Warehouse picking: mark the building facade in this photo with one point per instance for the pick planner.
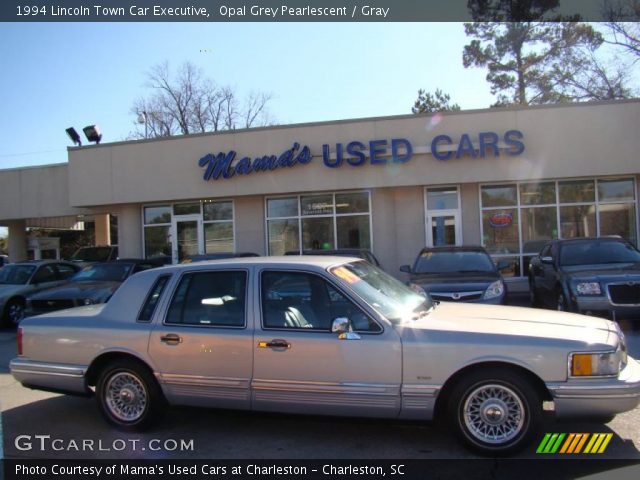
(508, 179)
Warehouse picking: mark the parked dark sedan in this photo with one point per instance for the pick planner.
(457, 274)
(93, 284)
(596, 276)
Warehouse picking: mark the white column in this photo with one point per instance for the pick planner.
(17, 240)
(129, 232)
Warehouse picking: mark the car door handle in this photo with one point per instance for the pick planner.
(171, 339)
(276, 343)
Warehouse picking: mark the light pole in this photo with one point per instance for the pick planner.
(142, 118)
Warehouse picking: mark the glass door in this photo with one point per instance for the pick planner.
(187, 232)
(443, 229)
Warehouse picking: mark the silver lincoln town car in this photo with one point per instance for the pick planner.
(327, 335)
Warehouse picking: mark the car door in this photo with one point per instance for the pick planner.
(548, 277)
(46, 276)
(202, 348)
(301, 366)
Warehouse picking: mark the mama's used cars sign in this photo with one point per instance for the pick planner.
(356, 153)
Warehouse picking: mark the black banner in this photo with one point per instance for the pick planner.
(320, 469)
(312, 10)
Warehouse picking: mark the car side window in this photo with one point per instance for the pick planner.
(65, 271)
(298, 300)
(152, 299)
(45, 274)
(210, 299)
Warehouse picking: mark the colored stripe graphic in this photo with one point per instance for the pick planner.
(574, 443)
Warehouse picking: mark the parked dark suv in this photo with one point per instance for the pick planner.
(596, 276)
(457, 274)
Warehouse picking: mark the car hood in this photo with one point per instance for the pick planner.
(624, 270)
(433, 281)
(518, 321)
(93, 290)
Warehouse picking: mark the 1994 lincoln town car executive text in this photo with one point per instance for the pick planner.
(326, 335)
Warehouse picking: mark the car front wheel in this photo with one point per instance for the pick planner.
(128, 395)
(495, 413)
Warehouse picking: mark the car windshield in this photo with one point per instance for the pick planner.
(598, 252)
(109, 272)
(16, 274)
(453, 262)
(92, 254)
(389, 296)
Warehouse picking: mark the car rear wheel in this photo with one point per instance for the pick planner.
(13, 312)
(128, 395)
(495, 413)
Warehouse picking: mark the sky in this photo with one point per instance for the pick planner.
(58, 75)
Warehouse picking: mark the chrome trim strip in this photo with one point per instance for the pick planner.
(25, 366)
(456, 295)
(201, 381)
(420, 390)
(326, 387)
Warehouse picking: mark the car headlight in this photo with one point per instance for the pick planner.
(496, 289)
(599, 364)
(418, 289)
(87, 301)
(588, 288)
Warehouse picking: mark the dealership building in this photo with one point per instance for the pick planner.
(507, 179)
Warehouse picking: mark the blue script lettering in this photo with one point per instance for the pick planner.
(222, 165)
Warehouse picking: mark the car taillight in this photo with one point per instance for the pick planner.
(19, 340)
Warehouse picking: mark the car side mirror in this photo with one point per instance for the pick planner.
(342, 326)
(503, 266)
(405, 268)
(547, 260)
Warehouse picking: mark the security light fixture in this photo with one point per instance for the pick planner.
(73, 135)
(93, 134)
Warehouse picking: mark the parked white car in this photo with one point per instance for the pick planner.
(326, 335)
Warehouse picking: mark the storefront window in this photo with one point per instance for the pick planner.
(442, 198)
(578, 221)
(500, 231)
(317, 205)
(615, 190)
(577, 212)
(282, 207)
(326, 221)
(192, 208)
(618, 219)
(159, 214)
(354, 231)
(352, 202)
(539, 224)
(284, 236)
(577, 191)
(537, 193)
(218, 210)
(317, 233)
(156, 241)
(218, 237)
(499, 195)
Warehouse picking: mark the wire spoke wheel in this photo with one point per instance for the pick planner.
(126, 397)
(494, 414)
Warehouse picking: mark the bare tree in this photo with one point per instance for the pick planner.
(192, 103)
(622, 24)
